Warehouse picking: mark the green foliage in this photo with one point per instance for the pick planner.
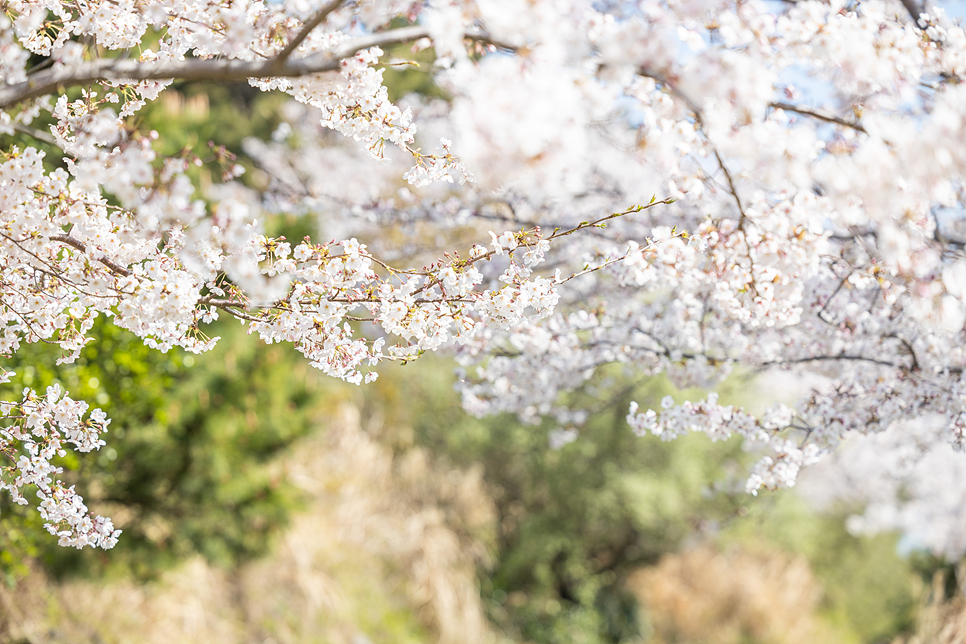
(870, 589)
(412, 75)
(201, 118)
(188, 466)
(20, 536)
(575, 521)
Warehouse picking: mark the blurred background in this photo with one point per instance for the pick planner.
(262, 502)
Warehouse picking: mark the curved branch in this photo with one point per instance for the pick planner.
(34, 133)
(307, 29)
(822, 116)
(856, 358)
(699, 121)
(212, 69)
(732, 189)
(79, 245)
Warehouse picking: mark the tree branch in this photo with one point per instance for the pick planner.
(731, 188)
(212, 69)
(855, 358)
(914, 8)
(79, 245)
(822, 116)
(307, 29)
(699, 121)
(673, 88)
(34, 133)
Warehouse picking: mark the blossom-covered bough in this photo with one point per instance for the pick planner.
(810, 149)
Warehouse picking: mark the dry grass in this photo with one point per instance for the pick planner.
(374, 559)
(704, 595)
(940, 620)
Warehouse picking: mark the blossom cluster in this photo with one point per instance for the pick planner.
(808, 149)
(162, 268)
(721, 422)
(38, 429)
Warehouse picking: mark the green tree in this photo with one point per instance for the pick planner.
(572, 522)
(189, 465)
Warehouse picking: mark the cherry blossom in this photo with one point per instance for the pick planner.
(796, 165)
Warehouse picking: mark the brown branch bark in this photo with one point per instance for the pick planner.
(914, 8)
(699, 121)
(307, 29)
(214, 69)
(34, 133)
(79, 245)
(822, 116)
(854, 358)
(732, 189)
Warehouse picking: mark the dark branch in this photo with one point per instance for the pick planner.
(884, 363)
(34, 133)
(912, 352)
(79, 245)
(915, 9)
(822, 116)
(674, 89)
(307, 29)
(699, 120)
(213, 69)
(732, 189)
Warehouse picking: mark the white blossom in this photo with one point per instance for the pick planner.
(822, 240)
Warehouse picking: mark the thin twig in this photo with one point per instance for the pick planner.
(857, 358)
(699, 121)
(832, 297)
(822, 116)
(912, 352)
(596, 223)
(614, 260)
(235, 313)
(307, 29)
(34, 133)
(731, 188)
